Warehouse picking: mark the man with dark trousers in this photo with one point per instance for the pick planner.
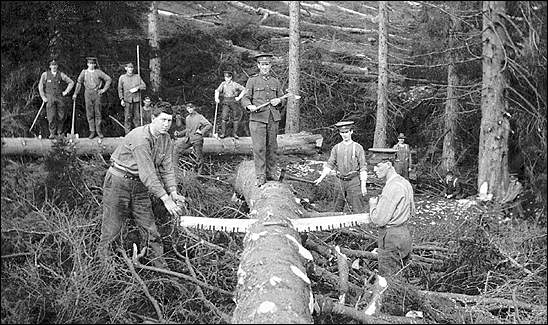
(263, 122)
(49, 88)
(95, 82)
(232, 93)
(141, 164)
(130, 86)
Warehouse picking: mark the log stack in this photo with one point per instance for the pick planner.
(272, 283)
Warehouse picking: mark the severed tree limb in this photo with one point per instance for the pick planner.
(332, 279)
(483, 300)
(211, 245)
(211, 306)
(343, 274)
(141, 282)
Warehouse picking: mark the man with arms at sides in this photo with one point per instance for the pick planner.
(130, 86)
(141, 164)
(263, 122)
(231, 106)
(348, 159)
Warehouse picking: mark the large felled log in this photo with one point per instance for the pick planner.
(272, 283)
(299, 143)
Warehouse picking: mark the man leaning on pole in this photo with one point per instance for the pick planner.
(130, 86)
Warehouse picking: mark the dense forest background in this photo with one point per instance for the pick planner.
(57, 198)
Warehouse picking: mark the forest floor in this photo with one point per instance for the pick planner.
(48, 274)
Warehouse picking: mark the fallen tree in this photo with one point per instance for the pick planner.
(272, 283)
(299, 143)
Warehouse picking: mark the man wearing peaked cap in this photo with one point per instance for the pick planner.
(347, 158)
(95, 82)
(403, 157)
(52, 94)
(263, 88)
(130, 86)
(231, 106)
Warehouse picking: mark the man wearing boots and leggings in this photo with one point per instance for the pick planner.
(49, 88)
(93, 79)
(231, 106)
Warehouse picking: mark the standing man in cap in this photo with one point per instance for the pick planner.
(263, 123)
(196, 127)
(147, 110)
(49, 88)
(230, 90)
(130, 86)
(348, 159)
(390, 213)
(403, 157)
(141, 164)
(93, 79)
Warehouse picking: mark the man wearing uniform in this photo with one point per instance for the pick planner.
(348, 159)
(263, 123)
(196, 127)
(49, 88)
(403, 157)
(230, 90)
(130, 86)
(141, 163)
(396, 205)
(93, 78)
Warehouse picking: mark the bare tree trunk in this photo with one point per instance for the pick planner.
(272, 283)
(292, 123)
(451, 105)
(494, 131)
(154, 64)
(298, 143)
(380, 139)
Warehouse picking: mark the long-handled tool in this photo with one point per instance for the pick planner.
(284, 96)
(118, 122)
(36, 118)
(139, 74)
(215, 135)
(72, 135)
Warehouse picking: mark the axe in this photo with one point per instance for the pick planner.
(285, 175)
(215, 135)
(284, 96)
(72, 135)
(36, 118)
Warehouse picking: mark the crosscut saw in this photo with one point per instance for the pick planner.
(301, 224)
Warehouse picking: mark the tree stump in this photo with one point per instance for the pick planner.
(272, 283)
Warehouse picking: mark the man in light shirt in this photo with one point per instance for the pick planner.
(130, 86)
(395, 207)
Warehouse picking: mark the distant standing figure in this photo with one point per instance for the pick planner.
(197, 126)
(147, 110)
(229, 89)
(403, 157)
(263, 123)
(49, 88)
(130, 86)
(452, 186)
(395, 206)
(93, 79)
(348, 159)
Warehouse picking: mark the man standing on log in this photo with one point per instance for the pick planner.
(403, 157)
(230, 89)
(141, 163)
(49, 88)
(348, 159)
(394, 208)
(93, 79)
(263, 123)
(130, 86)
(196, 126)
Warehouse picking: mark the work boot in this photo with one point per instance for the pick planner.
(91, 134)
(100, 134)
(223, 130)
(235, 130)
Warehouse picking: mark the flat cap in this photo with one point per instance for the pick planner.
(264, 57)
(401, 136)
(227, 72)
(190, 105)
(91, 59)
(129, 65)
(53, 62)
(344, 125)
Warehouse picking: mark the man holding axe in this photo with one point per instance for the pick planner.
(52, 94)
(262, 98)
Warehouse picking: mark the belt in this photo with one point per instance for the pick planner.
(394, 226)
(123, 173)
(348, 176)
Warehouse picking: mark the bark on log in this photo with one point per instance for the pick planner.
(272, 283)
(299, 143)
